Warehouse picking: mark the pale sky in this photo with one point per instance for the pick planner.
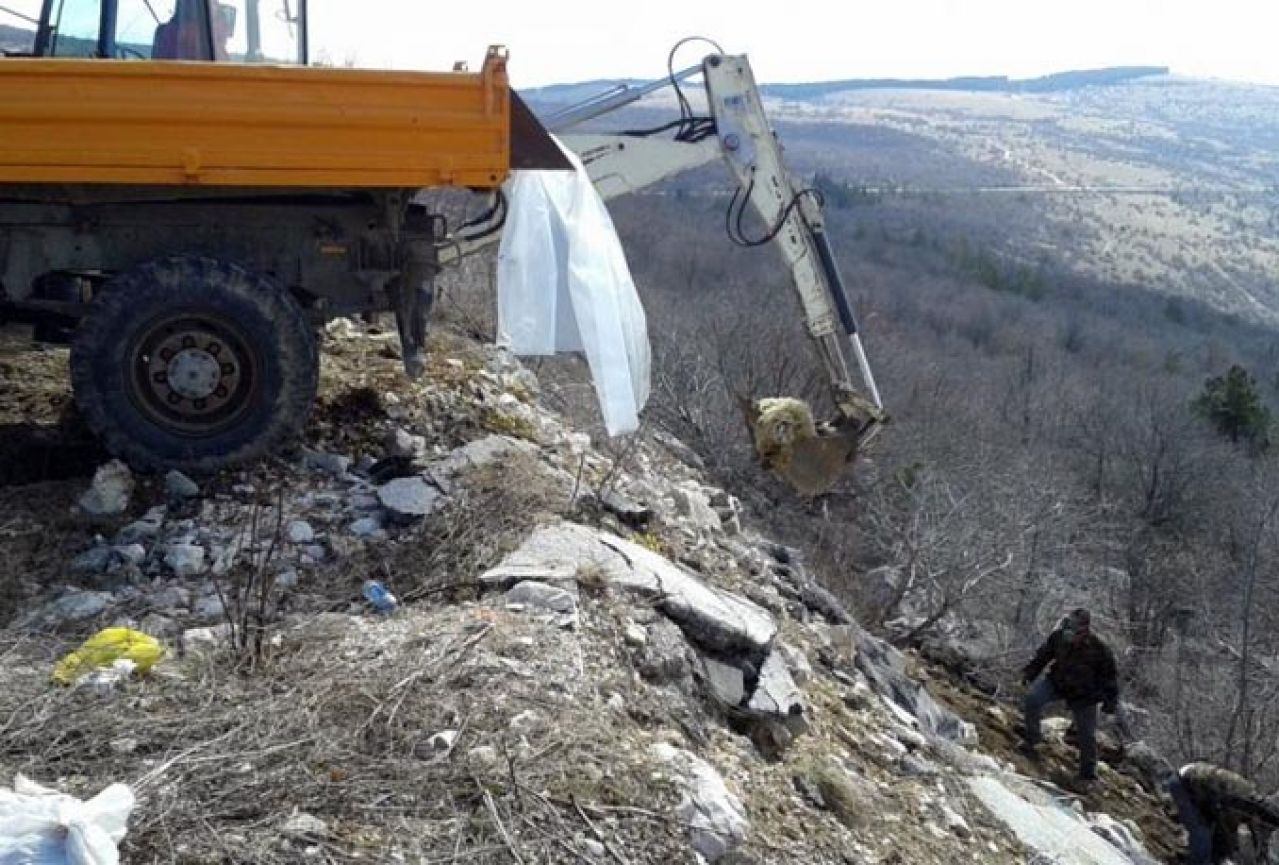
(805, 40)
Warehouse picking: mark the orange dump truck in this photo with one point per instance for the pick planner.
(184, 200)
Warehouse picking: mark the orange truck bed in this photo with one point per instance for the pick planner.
(204, 124)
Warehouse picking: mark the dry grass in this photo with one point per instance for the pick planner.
(338, 723)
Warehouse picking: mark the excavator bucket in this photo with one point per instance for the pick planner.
(810, 456)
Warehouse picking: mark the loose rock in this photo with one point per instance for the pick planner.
(109, 493)
(71, 607)
(334, 464)
(409, 498)
(179, 486)
(186, 560)
(366, 527)
(716, 820)
(300, 532)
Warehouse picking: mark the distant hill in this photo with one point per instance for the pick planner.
(1058, 81)
(16, 39)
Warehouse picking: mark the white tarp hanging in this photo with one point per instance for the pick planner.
(563, 285)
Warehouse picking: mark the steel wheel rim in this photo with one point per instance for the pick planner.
(192, 373)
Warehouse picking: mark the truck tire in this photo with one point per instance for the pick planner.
(194, 364)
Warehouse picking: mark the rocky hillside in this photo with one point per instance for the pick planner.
(596, 658)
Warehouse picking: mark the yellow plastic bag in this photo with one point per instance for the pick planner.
(105, 648)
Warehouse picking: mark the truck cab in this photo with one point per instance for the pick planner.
(234, 31)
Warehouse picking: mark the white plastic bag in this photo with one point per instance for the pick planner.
(564, 285)
(39, 826)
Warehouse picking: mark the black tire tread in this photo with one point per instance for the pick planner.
(189, 279)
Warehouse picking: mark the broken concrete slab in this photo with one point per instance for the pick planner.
(711, 617)
(1047, 825)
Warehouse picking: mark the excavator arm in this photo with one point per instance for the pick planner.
(810, 455)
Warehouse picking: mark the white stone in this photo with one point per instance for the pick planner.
(477, 454)
(144, 529)
(222, 558)
(1122, 835)
(954, 822)
(209, 606)
(186, 560)
(694, 506)
(525, 721)
(716, 820)
(727, 683)
(410, 497)
(776, 692)
(543, 597)
(797, 661)
(366, 527)
(171, 597)
(179, 486)
(204, 640)
(107, 679)
(134, 554)
(444, 740)
(72, 607)
(342, 328)
(92, 561)
(300, 532)
(109, 493)
(365, 501)
(402, 443)
(634, 634)
(303, 825)
(482, 755)
(615, 702)
(334, 464)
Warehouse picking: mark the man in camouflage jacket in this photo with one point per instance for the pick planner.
(1081, 672)
(1212, 803)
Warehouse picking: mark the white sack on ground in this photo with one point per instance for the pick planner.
(563, 285)
(39, 826)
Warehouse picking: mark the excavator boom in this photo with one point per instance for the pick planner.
(811, 456)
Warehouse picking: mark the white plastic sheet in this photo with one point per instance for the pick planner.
(564, 285)
(39, 826)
